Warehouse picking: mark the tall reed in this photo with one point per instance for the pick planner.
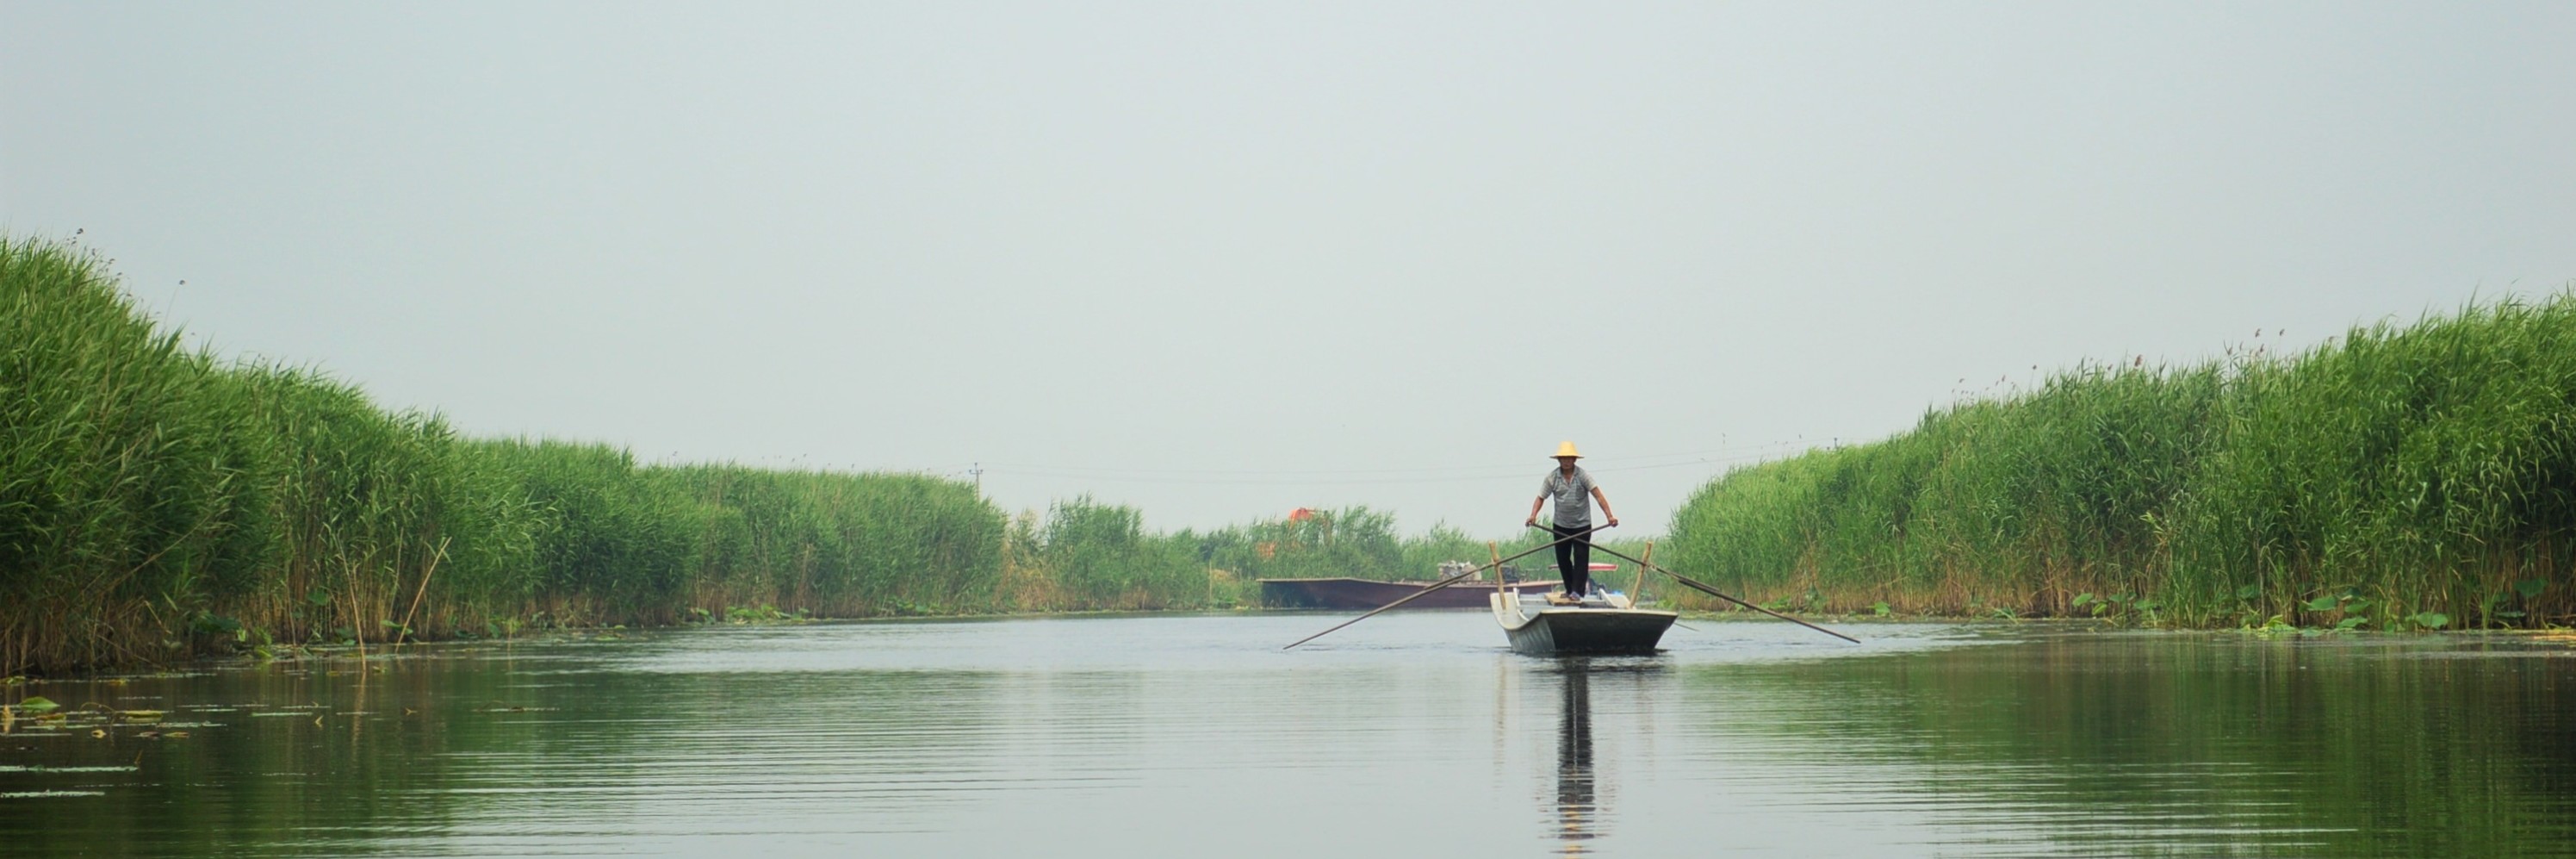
(156, 502)
(2411, 475)
(115, 493)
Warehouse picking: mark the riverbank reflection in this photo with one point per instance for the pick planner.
(1196, 735)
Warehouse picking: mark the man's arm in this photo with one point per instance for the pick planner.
(1605, 507)
(1535, 503)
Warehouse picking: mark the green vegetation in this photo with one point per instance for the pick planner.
(1087, 555)
(2400, 477)
(156, 502)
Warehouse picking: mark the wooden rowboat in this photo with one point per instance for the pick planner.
(1605, 622)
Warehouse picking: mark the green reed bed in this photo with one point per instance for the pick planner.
(837, 544)
(2399, 476)
(1085, 556)
(112, 488)
(156, 502)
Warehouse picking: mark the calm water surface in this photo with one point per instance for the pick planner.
(1409, 735)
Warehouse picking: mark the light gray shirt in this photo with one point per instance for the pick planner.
(1573, 496)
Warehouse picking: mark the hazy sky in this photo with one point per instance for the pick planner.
(1220, 260)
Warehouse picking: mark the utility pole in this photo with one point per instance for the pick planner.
(978, 471)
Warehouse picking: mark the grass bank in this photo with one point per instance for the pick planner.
(2414, 476)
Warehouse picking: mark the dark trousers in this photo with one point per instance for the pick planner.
(1574, 559)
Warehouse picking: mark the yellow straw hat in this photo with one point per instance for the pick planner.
(1567, 449)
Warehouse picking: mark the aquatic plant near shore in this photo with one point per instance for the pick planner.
(156, 502)
(2428, 469)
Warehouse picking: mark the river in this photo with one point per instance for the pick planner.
(1414, 734)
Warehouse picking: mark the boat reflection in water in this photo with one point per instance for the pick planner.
(1581, 803)
(1576, 801)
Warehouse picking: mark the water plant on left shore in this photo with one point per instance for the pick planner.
(158, 501)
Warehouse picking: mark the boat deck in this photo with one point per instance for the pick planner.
(1605, 622)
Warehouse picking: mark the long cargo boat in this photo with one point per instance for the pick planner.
(1344, 593)
(1348, 593)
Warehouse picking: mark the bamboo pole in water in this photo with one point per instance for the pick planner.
(1640, 592)
(358, 628)
(405, 628)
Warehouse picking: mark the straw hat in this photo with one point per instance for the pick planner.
(1567, 449)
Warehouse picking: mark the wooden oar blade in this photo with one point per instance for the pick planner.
(1695, 584)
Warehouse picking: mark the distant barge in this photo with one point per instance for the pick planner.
(1348, 593)
(1344, 593)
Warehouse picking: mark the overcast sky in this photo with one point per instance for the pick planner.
(1220, 260)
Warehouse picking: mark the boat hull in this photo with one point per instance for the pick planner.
(1343, 593)
(1548, 630)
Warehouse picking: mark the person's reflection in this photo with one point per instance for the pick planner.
(1574, 789)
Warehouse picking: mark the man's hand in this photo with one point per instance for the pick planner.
(1532, 523)
(1614, 521)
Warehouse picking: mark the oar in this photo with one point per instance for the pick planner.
(1695, 584)
(1498, 583)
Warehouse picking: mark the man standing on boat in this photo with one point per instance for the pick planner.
(1574, 492)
